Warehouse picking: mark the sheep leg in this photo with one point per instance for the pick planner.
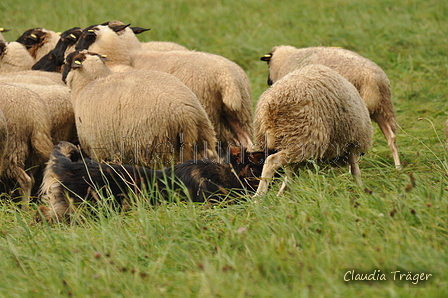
(354, 166)
(242, 135)
(288, 175)
(389, 133)
(273, 162)
(26, 184)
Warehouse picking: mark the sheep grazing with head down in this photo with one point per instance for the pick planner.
(38, 41)
(60, 109)
(143, 117)
(14, 57)
(1, 36)
(29, 142)
(311, 113)
(370, 80)
(221, 85)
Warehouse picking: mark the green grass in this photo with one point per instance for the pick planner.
(299, 245)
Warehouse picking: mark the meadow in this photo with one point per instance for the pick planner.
(313, 241)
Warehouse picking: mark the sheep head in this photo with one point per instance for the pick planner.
(77, 60)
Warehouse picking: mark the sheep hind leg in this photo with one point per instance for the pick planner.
(389, 133)
(354, 167)
(273, 162)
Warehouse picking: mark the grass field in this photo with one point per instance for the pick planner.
(301, 245)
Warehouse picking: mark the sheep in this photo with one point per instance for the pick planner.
(14, 57)
(32, 76)
(1, 36)
(370, 80)
(221, 85)
(54, 60)
(29, 142)
(135, 114)
(58, 101)
(312, 112)
(29, 78)
(38, 41)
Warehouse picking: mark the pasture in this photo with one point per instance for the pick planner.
(313, 241)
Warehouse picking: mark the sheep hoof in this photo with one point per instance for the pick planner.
(399, 167)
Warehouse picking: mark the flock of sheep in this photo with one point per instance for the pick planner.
(158, 103)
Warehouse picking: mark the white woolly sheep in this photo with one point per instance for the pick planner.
(31, 76)
(370, 80)
(311, 113)
(58, 101)
(1, 36)
(14, 57)
(221, 85)
(131, 117)
(29, 142)
(39, 42)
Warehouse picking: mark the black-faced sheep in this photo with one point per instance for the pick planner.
(14, 57)
(221, 85)
(70, 179)
(54, 60)
(39, 42)
(370, 80)
(29, 142)
(311, 113)
(146, 117)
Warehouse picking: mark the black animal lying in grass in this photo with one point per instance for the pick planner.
(70, 180)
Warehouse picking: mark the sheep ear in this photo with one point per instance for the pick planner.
(76, 64)
(104, 58)
(119, 27)
(138, 30)
(266, 57)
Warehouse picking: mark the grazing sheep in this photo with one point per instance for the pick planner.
(370, 80)
(29, 142)
(1, 36)
(14, 57)
(39, 42)
(28, 78)
(54, 60)
(221, 85)
(144, 117)
(70, 179)
(312, 112)
(58, 101)
(31, 76)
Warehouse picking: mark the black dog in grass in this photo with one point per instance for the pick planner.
(69, 179)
